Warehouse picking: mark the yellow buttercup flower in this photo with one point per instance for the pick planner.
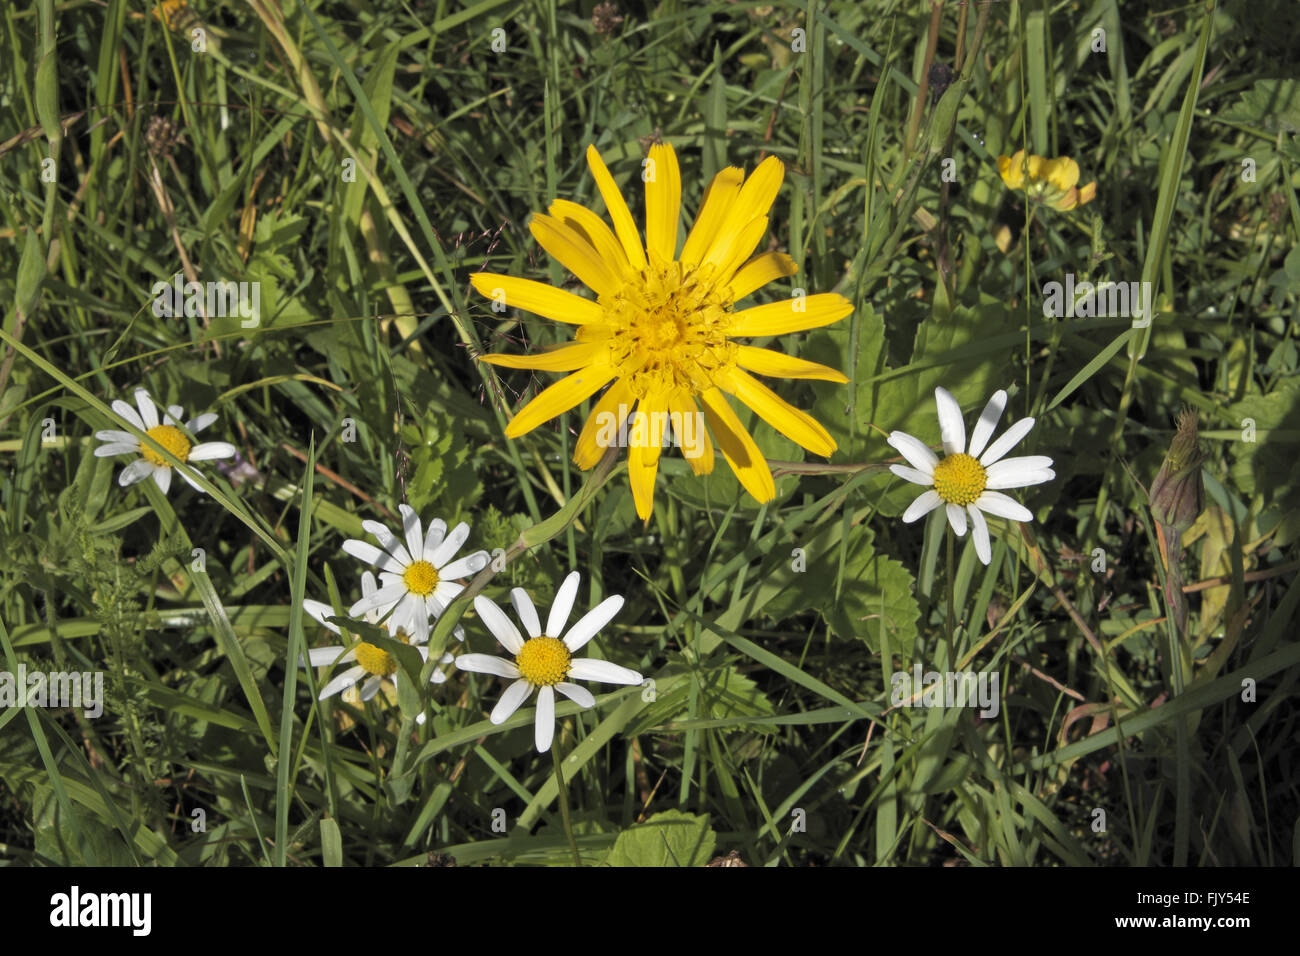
(662, 325)
(1050, 181)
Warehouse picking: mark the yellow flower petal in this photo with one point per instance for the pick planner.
(592, 228)
(603, 424)
(1062, 172)
(1012, 169)
(778, 318)
(1088, 193)
(759, 271)
(575, 253)
(738, 447)
(683, 406)
(624, 224)
(645, 443)
(641, 471)
(753, 202)
(559, 398)
(663, 201)
(778, 365)
(564, 359)
(537, 297)
(718, 198)
(726, 255)
(799, 427)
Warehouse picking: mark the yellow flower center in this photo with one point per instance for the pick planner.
(543, 661)
(421, 578)
(959, 479)
(378, 661)
(171, 438)
(667, 329)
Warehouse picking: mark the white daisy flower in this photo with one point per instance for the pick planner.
(545, 661)
(369, 659)
(165, 433)
(966, 481)
(418, 578)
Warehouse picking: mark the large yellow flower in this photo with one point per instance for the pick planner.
(1050, 181)
(662, 324)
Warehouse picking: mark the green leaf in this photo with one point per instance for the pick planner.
(876, 592)
(671, 838)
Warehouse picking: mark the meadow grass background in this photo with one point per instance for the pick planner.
(771, 683)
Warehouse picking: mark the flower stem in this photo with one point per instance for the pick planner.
(563, 790)
(952, 615)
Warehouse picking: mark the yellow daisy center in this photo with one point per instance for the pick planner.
(543, 661)
(959, 479)
(666, 329)
(171, 438)
(378, 661)
(421, 578)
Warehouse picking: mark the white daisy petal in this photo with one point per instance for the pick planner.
(449, 546)
(1004, 506)
(464, 567)
(433, 537)
(980, 532)
(957, 518)
(117, 448)
(488, 664)
(138, 470)
(372, 555)
(447, 591)
(562, 605)
(130, 414)
(544, 726)
(576, 693)
(952, 430)
(591, 623)
(368, 585)
(324, 656)
(162, 477)
(983, 431)
(590, 668)
(148, 412)
(384, 597)
(510, 701)
(523, 605)
(412, 531)
(112, 435)
(502, 628)
(320, 610)
(1019, 472)
(174, 414)
(212, 449)
(923, 505)
(199, 422)
(912, 475)
(1006, 441)
(371, 687)
(342, 682)
(915, 451)
(189, 479)
(389, 542)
